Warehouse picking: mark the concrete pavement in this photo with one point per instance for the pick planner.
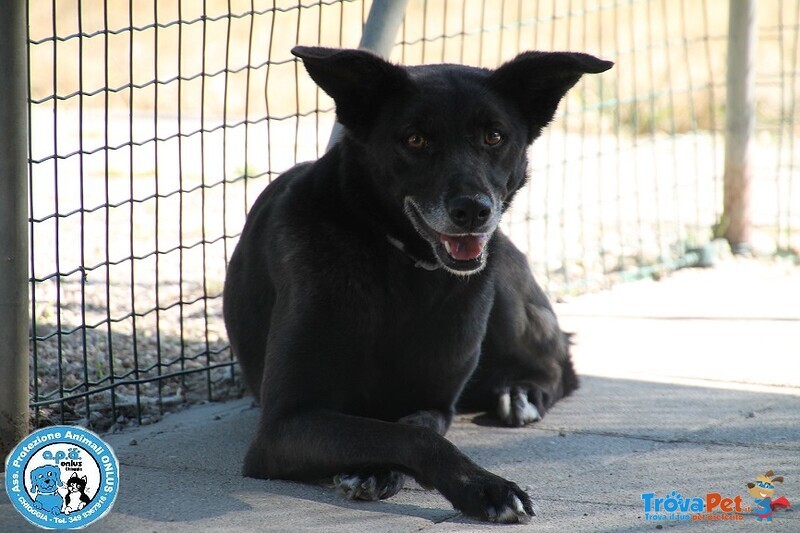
(691, 384)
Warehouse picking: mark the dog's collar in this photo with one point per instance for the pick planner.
(417, 262)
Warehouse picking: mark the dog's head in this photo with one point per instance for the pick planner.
(445, 145)
(45, 479)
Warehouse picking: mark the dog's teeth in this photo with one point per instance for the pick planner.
(447, 247)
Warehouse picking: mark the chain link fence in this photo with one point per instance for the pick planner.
(155, 124)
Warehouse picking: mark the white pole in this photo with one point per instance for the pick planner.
(379, 33)
(739, 123)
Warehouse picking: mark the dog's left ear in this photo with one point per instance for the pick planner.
(536, 82)
(358, 81)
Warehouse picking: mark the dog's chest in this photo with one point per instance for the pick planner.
(422, 344)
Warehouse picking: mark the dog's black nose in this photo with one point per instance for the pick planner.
(470, 212)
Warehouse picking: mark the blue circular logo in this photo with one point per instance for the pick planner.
(62, 477)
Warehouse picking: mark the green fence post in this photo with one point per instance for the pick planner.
(13, 226)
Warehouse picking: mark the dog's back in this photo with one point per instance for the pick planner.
(249, 288)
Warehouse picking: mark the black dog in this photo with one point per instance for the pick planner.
(365, 283)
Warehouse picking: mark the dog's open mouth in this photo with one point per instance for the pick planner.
(460, 253)
(464, 247)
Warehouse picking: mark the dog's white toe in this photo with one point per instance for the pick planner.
(512, 513)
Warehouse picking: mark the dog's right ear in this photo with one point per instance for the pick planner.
(358, 81)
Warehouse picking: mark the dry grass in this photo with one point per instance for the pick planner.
(668, 53)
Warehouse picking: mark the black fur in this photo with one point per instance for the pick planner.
(524, 354)
(359, 295)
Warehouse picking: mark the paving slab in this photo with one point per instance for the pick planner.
(639, 424)
(738, 324)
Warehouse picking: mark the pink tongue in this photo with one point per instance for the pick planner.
(464, 247)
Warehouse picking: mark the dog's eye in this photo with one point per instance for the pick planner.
(493, 137)
(416, 141)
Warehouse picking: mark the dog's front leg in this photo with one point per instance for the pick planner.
(384, 483)
(321, 443)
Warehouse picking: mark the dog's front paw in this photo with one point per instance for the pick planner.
(493, 499)
(519, 406)
(512, 511)
(369, 486)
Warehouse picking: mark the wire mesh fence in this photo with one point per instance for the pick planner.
(154, 124)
